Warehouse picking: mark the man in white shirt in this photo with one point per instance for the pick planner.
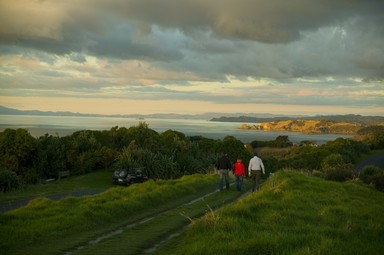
(255, 170)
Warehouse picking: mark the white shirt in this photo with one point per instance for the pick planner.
(256, 164)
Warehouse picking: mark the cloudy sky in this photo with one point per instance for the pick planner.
(193, 56)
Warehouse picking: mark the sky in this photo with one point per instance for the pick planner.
(193, 56)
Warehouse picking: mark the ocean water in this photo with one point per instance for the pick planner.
(64, 125)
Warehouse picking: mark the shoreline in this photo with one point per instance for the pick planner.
(38, 126)
(258, 135)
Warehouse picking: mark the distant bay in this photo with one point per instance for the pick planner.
(66, 125)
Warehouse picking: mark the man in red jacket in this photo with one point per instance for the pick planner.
(239, 172)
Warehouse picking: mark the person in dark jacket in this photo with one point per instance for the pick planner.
(224, 166)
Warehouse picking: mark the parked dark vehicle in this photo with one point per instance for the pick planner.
(128, 176)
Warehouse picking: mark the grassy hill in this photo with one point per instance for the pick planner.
(292, 214)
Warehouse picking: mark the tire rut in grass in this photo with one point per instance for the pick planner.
(131, 226)
(171, 235)
(157, 229)
(177, 233)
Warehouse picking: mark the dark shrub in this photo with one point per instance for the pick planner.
(373, 175)
(368, 172)
(339, 175)
(9, 181)
(378, 182)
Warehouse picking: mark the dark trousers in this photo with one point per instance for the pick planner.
(239, 181)
(224, 176)
(256, 176)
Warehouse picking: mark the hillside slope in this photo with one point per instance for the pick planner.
(292, 214)
(354, 118)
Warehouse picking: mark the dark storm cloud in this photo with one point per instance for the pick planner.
(122, 44)
(277, 21)
(259, 20)
(260, 38)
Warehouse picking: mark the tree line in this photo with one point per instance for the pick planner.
(167, 155)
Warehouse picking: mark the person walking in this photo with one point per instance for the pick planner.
(224, 166)
(255, 170)
(239, 172)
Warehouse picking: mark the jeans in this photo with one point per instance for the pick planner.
(239, 181)
(256, 176)
(224, 175)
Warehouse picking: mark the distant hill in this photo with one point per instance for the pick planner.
(250, 119)
(333, 124)
(352, 118)
(9, 111)
(211, 116)
(204, 116)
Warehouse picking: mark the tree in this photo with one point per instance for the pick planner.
(106, 156)
(17, 151)
(282, 141)
(50, 156)
(235, 149)
(144, 136)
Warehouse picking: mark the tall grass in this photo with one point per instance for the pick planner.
(70, 221)
(292, 214)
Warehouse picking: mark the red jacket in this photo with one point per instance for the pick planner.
(239, 168)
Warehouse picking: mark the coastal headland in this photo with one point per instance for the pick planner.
(307, 126)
